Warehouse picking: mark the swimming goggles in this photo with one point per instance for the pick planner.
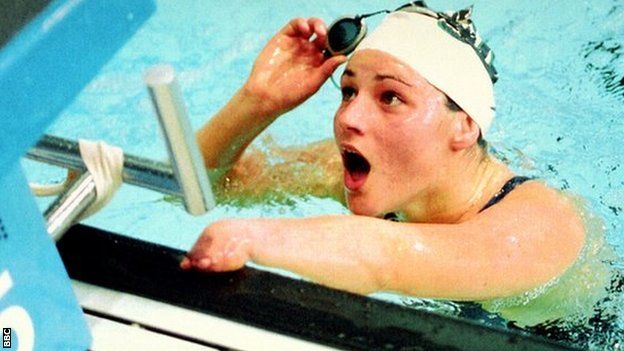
(344, 35)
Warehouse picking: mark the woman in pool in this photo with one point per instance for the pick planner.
(408, 134)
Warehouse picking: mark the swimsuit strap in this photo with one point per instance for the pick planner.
(391, 216)
(506, 189)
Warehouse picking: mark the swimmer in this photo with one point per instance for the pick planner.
(417, 101)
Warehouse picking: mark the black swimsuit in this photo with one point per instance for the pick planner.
(506, 189)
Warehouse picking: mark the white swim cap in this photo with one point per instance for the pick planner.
(451, 65)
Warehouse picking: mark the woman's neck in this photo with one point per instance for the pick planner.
(462, 192)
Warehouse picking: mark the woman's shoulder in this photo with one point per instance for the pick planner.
(573, 293)
(535, 196)
(540, 219)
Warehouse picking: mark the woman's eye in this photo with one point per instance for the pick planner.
(347, 93)
(390, 98)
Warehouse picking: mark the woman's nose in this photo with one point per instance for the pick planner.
(352, 117)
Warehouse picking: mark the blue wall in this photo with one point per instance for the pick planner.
(42, 69)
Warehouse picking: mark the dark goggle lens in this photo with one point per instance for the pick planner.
(343, 33)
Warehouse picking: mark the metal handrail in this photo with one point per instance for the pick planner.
(146, 173)
(68, 207)
(186, 176)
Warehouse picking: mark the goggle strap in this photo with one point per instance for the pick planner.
(371, 14)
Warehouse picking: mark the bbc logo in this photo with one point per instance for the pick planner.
(6, 338)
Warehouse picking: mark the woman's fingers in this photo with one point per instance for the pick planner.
(223, 246)
(204, 263)
(312, 29)
(198, 256)
(186, 263)
(298, 27)
(305, 28)
(330, 65)
(320, 30)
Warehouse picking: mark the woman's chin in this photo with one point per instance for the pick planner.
(359, 206)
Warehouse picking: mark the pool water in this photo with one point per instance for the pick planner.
(559, 110)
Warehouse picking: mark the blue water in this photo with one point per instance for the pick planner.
(559, 100)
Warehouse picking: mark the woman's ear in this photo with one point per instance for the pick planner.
(465, 131)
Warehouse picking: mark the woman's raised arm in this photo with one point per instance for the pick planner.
(289, 70)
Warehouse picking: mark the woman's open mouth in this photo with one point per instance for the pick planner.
(356, 169)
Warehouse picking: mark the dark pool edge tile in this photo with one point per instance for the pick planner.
(16, 14)
(276, 303)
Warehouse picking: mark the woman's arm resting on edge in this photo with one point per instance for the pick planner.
(504, 251)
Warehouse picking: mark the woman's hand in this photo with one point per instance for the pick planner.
(291, 67)
(225, 245)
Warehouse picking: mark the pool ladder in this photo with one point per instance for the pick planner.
(185, 177)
